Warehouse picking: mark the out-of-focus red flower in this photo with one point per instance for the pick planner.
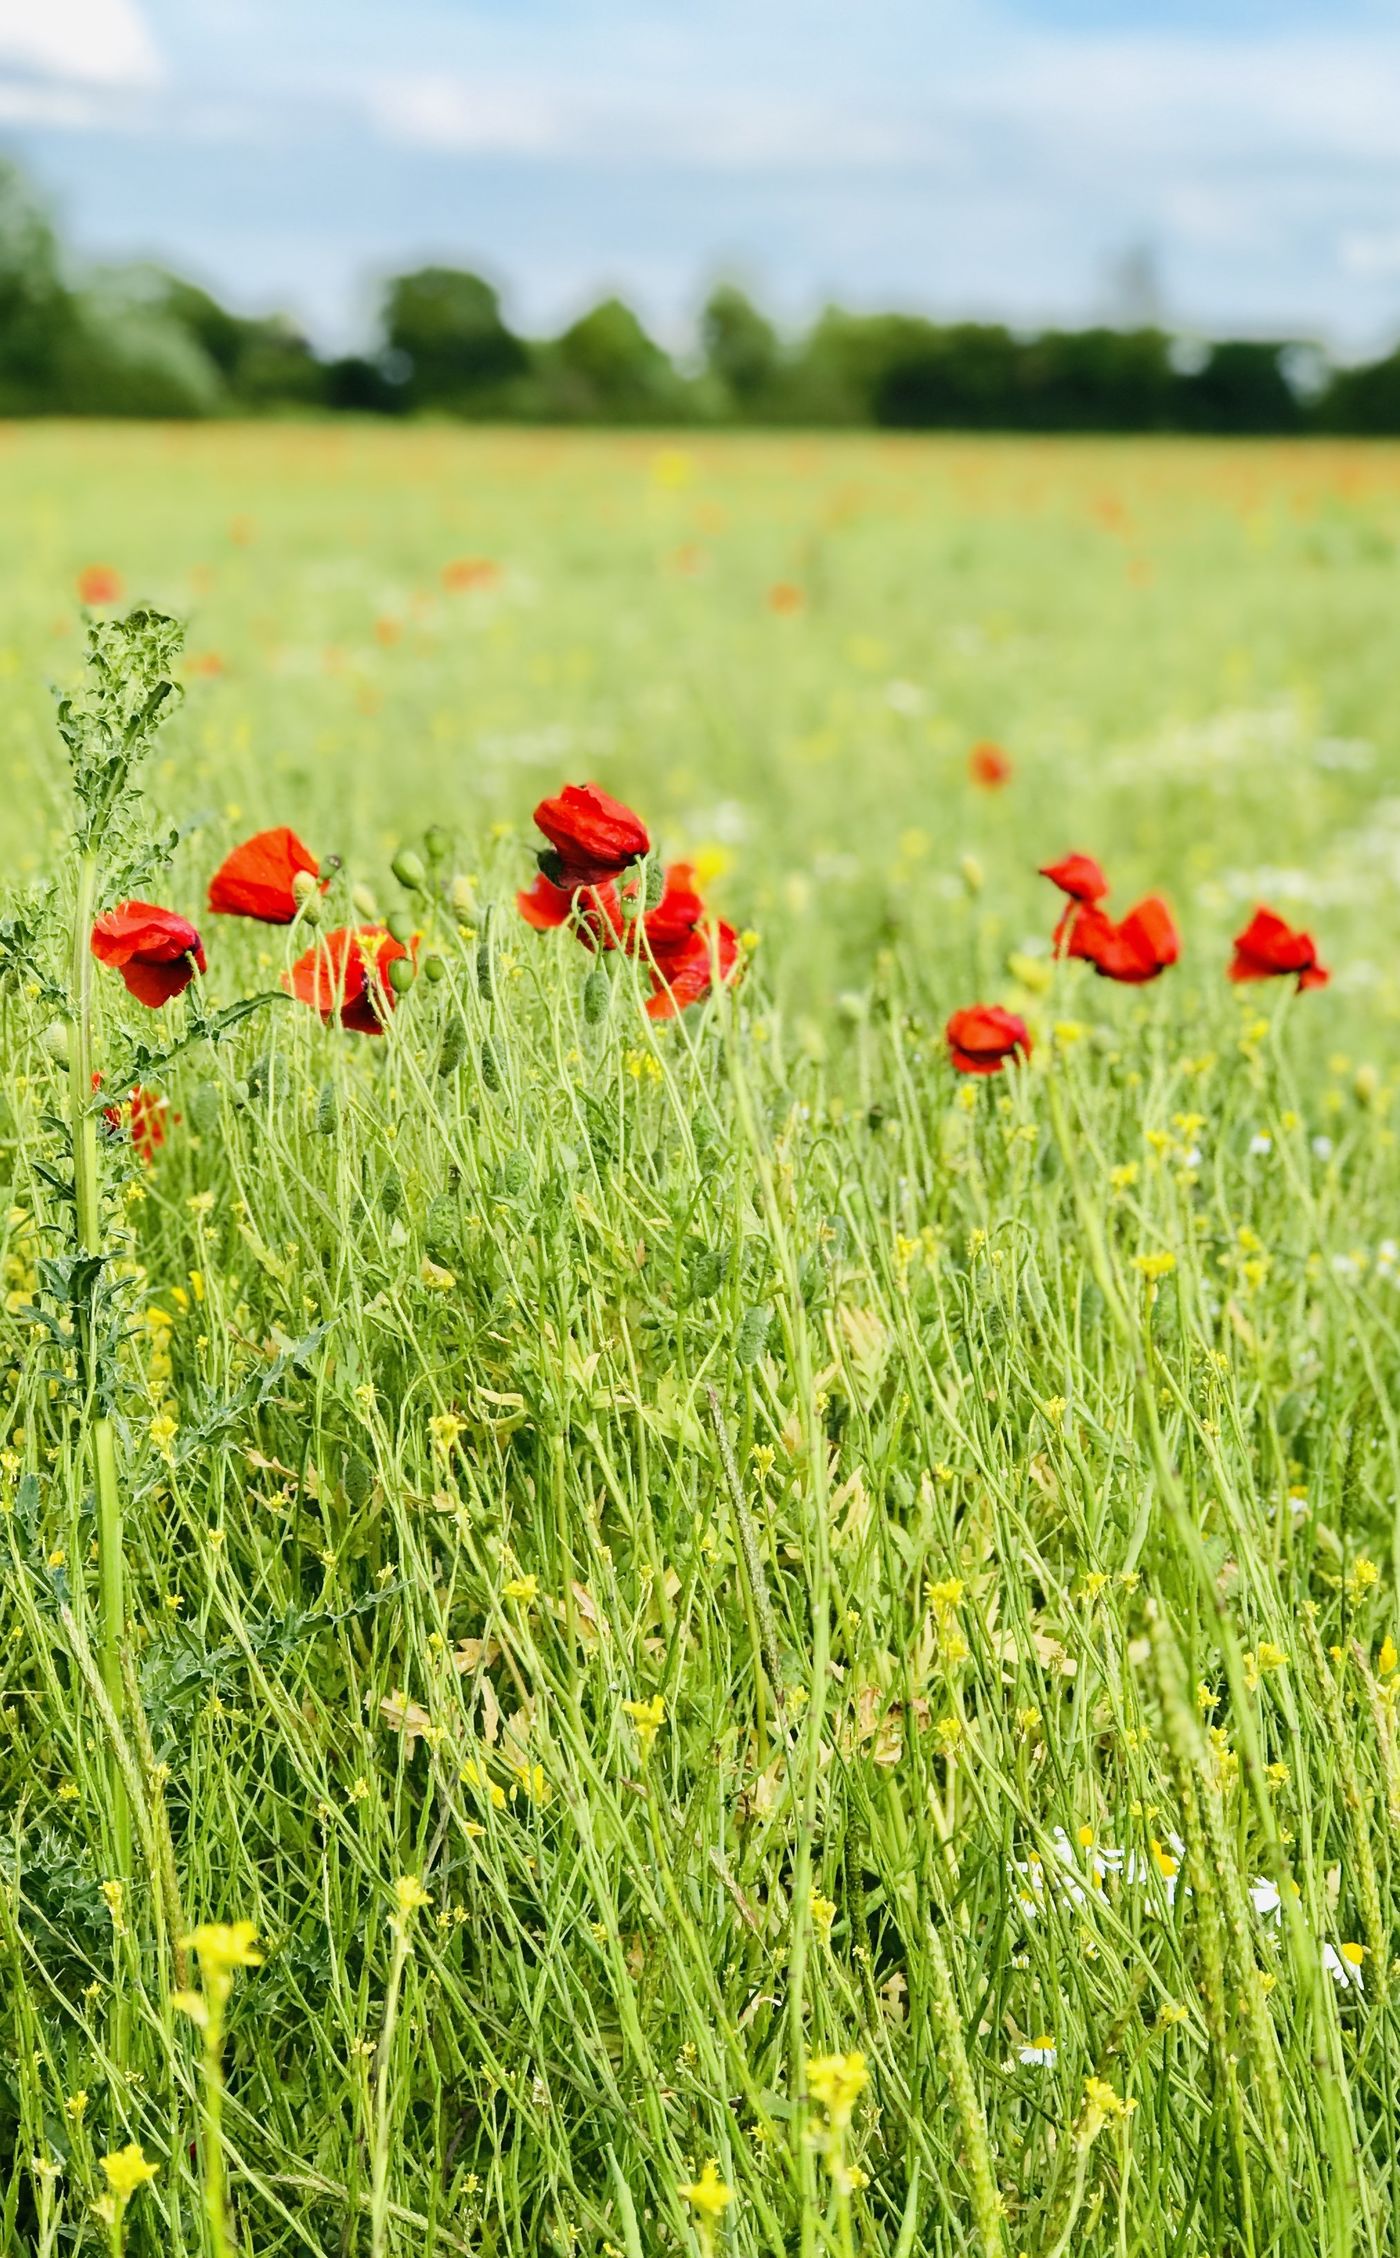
(983, 1037)
(470, 572)
(258, 879)
(597, 910)
(989, 767)
(208, 663)
(593, 837)
(786, 599)
(1135, 950)
(143, 1115)
(156, 952)
(1079, 876)
(99, 584)
(1268, 947)
(346, 975)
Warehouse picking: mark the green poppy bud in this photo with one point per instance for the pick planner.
(409, 869)
(401, 975)
(400, 924)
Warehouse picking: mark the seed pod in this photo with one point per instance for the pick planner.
(595, 995)
(434, 968)
(327, 1111)
(402, 974)
(204, 1109)
(359, 1480)
(752, 1337)
(409, 869)
(400, 924)
(453, 1047)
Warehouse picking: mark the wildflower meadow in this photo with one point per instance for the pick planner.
(700, 1496)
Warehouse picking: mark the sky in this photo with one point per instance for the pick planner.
(1014, 159)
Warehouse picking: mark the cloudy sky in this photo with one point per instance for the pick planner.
(964, 156)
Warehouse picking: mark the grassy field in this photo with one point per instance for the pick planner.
(785, 1651)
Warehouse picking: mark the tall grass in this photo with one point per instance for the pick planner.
(660, 1562)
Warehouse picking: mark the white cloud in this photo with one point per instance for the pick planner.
(93, 42)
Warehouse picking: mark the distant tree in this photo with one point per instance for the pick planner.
(1095, 380)
(37, 314)
(1240, 387)
(363, 387)
(1363, 399)
(457, 351)
(741, 349)
(605, 368)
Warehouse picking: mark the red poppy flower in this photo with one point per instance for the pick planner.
(259, 879)
(983, 1037)
(593, 837)
(1134, 951)
(685, 971)
(1079, 876)
(597, 909)
(346, 975)
(156, 952)
(99, 584)
(1268, 947)
(989, 766)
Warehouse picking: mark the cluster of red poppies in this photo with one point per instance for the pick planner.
(346, 975)
(1133, 949)
(594, 842)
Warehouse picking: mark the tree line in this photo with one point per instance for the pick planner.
(138, 341)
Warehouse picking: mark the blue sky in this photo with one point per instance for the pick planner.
(991, 157)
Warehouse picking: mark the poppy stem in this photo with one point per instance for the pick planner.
(88, 1214)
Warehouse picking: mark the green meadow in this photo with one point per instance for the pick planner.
(702, 1636)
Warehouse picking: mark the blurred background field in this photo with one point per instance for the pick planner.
(785, 647)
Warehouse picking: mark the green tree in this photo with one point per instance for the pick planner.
(606, 369)
(456, 349)
(741, 348)
(37, 315)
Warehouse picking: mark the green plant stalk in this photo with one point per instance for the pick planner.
(215, 2175)
(379, 2164)
(106, 1486)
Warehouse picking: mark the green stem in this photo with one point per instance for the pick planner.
(106, 1488)
(215, 2182)
(379, 2163)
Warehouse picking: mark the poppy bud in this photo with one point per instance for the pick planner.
(490, 1072)
(329, 865)
(972, 875)
(461, 895)
(453, 1048)
(752, 1337)
(391, 1197)
(326, 1111)
(400, 924)
(1366, 1084)
(437, 841)
(656, 884)
(401, 975)
(409, 869)
(363, 901)
(305, 890)
(55, 1041)
(595, 995)
(434, 968)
